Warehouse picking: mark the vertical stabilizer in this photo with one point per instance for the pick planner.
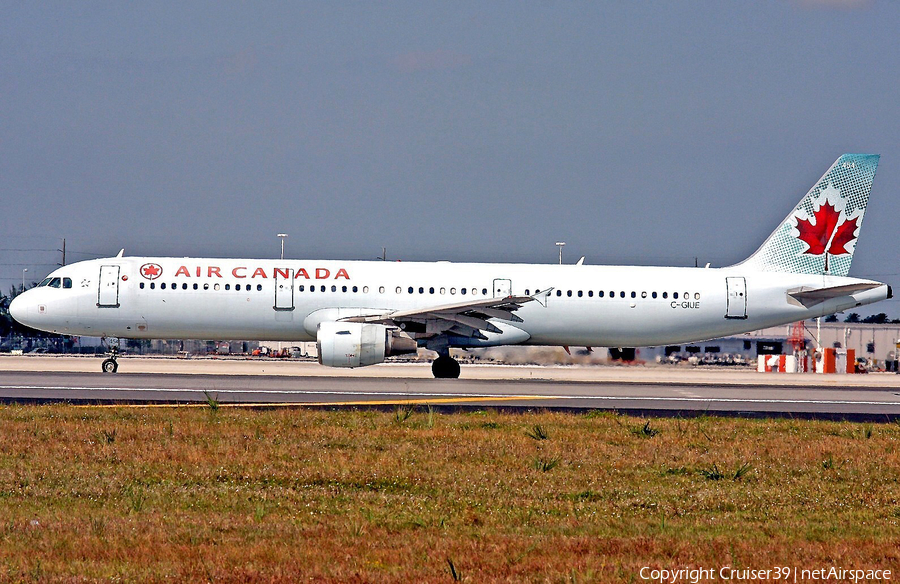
(819, 236)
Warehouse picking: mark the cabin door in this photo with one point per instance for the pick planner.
(284, 289)
(108, 295)
(737, 298)
(502, 288)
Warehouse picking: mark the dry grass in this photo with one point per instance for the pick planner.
(284, 495)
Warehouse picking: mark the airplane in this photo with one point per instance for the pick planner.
(361, 312)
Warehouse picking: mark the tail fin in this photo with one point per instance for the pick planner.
(819, 236)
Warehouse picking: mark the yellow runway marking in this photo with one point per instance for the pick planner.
(397, 402)
(441, 400)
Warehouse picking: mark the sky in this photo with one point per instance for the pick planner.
(638, 133)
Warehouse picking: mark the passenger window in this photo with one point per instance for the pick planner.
(431, 290)
(462, 291)
(526, 292)
(228, 286)
(600, 294)
(410, 290)
(215, 286)
(142, 285)
(696, 296)
(452, 290)
(67, 282)
(152, 285)
(301, 288)
(654, 294)
(205, 286)
(665, 294)
(559, 292)
(196, 286)
(381, 289)
(355, 289)
(590, 293)
(259, 287)
(443, 290)
(184, 286)
(334, 288)
(421, 290)
(633, 294)
(580, 293)
(643, 294)
(687, 295)
(569, 293)
(161, 286)
(322, 288)
(398, 291)
(675, 295)
(343, 288)
(365, 289)
(622, 294)
(484, 291)
(312, 288)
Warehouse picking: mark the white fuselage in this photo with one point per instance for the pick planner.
(597, 306)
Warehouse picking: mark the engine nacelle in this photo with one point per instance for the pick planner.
(356, 344)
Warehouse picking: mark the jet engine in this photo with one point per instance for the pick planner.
(355, 344)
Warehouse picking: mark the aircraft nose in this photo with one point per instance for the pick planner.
(17, 309)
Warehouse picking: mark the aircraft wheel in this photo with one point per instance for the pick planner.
(109, 366)
(445, 368)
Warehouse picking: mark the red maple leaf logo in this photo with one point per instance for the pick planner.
(151, 271)
(827, 235)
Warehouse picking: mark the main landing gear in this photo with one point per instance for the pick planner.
(110, 365)
(445, 367)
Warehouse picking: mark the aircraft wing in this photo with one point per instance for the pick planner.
(466, 319)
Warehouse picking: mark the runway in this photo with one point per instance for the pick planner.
(654, 391)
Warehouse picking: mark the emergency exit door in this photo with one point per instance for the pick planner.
(502, 288)
(108, 294)
(737, 298)
(284, 290)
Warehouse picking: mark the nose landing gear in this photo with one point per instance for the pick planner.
(110, 365)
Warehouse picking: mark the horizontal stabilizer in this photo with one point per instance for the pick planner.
(809, 297)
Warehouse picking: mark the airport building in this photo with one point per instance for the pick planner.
(877, 343)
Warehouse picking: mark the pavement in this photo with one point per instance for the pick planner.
(645, 390)
(405, 370)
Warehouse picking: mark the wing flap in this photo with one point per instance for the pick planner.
(469, 319)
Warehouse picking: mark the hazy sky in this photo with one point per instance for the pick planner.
(644, 132)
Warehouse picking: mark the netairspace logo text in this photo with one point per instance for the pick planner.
(776, 574)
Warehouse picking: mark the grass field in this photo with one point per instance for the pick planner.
(198, 494)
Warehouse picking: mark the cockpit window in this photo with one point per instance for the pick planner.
(67, 282)
(44, 282)
(54, 283)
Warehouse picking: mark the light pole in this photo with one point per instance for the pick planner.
(23, 278)
(560, 245)
(282, 236)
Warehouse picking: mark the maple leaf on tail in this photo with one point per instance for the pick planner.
(843, 236)
(817, 236)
